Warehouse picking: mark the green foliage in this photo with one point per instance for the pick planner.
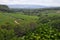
(4, 8)
(42, 32)
(6, 34)
(44, 27)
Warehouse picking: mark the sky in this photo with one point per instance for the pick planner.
(32, 2)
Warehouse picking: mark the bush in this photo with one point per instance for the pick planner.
(6, 34)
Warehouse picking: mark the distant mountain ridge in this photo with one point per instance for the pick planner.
(26, 6)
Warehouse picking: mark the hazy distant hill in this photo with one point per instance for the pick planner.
(26, 6)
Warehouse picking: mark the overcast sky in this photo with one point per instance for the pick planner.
(32, 2)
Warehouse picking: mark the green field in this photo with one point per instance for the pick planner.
(11, 17)
(16, 26)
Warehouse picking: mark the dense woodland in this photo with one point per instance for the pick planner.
(29, 24)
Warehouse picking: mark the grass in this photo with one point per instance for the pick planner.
(6, 18)
(45, 30)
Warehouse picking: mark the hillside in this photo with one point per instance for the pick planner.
(27, 6)
(9, 17)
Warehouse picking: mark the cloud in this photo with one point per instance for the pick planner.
(32, 2)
